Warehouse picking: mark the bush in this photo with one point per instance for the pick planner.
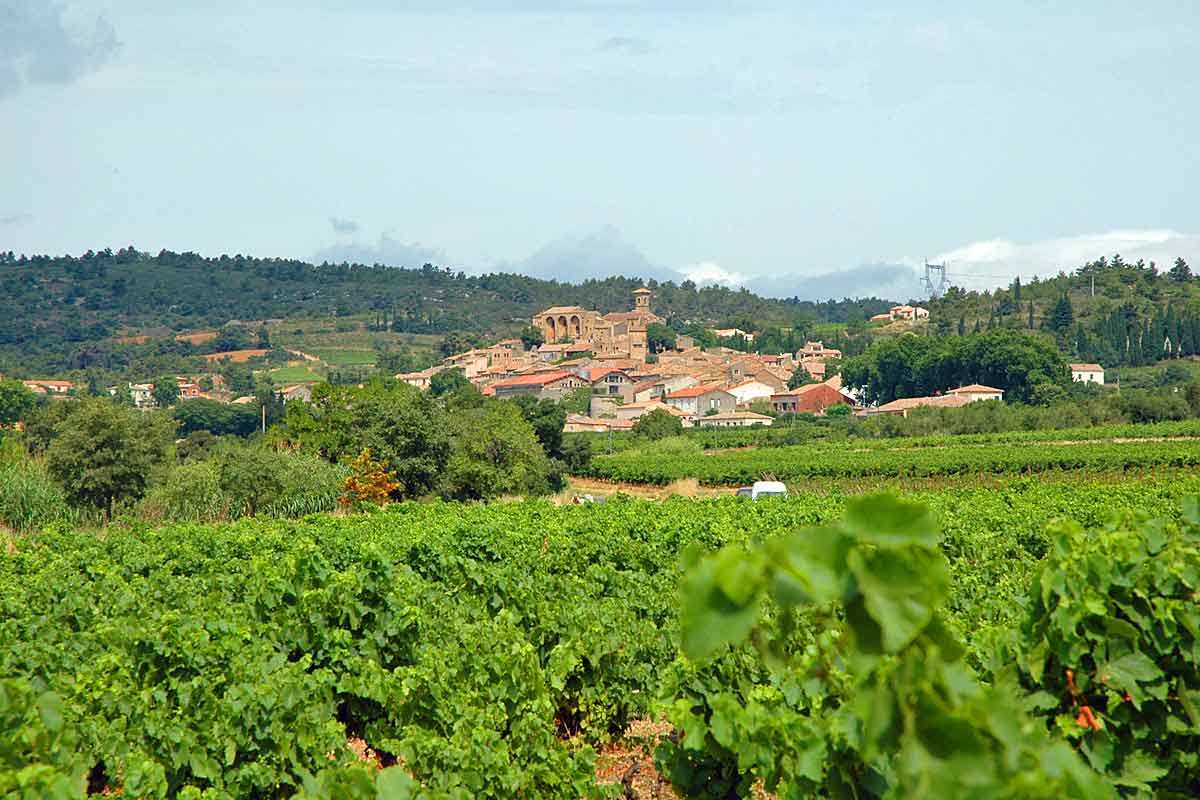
(29, 498)
(1110, 649)
(658, 424)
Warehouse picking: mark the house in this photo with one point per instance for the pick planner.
(749, 390)
(635, 411)
(814, 398)
(419, 379)
(815, 367)
(189, 390)
(577, 423)
(473, 363)
(550, 353)
(552, 385)
(909, 313)
(49, 386)
(142, 394)
(300, 391)
(699, 400)
(735, 419)
(817, 350)
(1087, 373)
(975, 392)
(611, 383)
(245, 400)
(906, 404)
(729, 333)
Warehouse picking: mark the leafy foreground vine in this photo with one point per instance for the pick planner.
(867, 694)
(1110, 646)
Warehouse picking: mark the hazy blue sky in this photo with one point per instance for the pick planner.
(745, 142)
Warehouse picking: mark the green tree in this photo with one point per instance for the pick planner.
(659, 338)
(495, 452)
(166, 392)
(404, 427)
(16, 401)
(250, 476)
(532, 336)
(1181, 272)
(447, 382)
(104, 453)
(1063, 315)
(800, 377)
(238, 378)
(658, 424)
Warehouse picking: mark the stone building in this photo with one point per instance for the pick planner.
(618, 333)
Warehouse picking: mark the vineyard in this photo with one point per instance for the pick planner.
(1007, 454)
(803, 433)
(916, 648)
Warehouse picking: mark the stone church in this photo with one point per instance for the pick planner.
(621, 333)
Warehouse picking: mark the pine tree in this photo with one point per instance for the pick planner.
(1063, 316)
(962, 326)
(1030, 315)
(1181, 272)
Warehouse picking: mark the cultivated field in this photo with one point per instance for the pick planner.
(471, 650)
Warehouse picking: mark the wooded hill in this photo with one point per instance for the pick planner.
(1108, 311)
(60, 312)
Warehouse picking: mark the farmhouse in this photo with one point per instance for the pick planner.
(811, 399)
(735, 419)
(748, 391)
(542, 385)
(1087, 373)
(699, 400)
(906, 404)
(976, 392)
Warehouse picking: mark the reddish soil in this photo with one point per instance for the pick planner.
(236, 356)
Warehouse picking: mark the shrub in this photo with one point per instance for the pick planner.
(29, 498)
(1110, 649)
(658, 424)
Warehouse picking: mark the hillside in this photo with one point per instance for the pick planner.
(1109, 311)
(64, 312)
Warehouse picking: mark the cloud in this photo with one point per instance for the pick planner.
(995, 262)
(38, 47)
(15, 219)
(387, 251)
(627, 45)
(709, 272)
(594, 254)
(887, 281)
(343, 226)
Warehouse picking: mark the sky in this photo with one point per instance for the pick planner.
(815, 149)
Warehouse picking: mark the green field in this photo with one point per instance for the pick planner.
(344, 357)
(998, 454)
(296, 374)
(485, 650)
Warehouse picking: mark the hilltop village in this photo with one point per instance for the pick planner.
(609, 354)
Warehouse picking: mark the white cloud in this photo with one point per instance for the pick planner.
(707, 272)
(995, 262)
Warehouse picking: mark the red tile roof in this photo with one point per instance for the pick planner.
(695, 391)
(536, 379)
